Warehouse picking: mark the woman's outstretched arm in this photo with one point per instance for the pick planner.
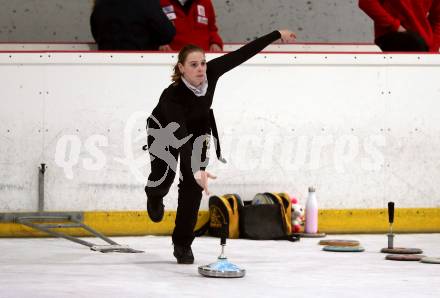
(220, 65)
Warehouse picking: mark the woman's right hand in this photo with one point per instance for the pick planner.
(401, 29)
(202, 179)
(165, 48)
(287, 36)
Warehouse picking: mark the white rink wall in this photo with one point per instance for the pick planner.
(362, 128)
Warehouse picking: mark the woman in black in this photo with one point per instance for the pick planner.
(180, 125)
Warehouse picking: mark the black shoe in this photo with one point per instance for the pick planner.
(183, 254)
(155, 209)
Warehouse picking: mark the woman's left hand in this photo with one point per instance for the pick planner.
(215, 48)
(287, 36)
(202, 179)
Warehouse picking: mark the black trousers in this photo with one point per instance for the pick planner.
(189, 194)
(402, 42)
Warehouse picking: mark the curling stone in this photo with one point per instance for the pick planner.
(337, 242)
(222, 268)
(391, 249)
(404, 257)
(343, 248)
(430, 260)
(402, 251)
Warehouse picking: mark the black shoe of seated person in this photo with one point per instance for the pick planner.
(155, 209)
(183, 254)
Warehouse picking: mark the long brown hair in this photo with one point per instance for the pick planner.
(183, 54)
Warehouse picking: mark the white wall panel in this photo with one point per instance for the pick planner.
(413, 131)
(21, 134)
(113, 101)
(361, 128)
(311, 112)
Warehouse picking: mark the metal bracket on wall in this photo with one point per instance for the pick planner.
(48, 221)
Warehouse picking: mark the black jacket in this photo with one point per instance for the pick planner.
(179, 104)
(130, 25)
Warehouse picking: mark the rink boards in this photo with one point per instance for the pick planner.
(362, 128)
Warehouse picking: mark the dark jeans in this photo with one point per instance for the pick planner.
(189, 195)
(402, 42)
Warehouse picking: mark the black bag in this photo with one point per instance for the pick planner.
(267, 221)
(261, 222)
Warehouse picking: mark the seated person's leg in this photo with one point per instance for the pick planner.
(402, 42)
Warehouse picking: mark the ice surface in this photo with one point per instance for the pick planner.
(48, 267)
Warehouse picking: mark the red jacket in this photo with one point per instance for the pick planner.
(421, 16)
(197, 26)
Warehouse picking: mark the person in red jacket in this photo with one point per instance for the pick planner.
(195, 24)
(405, 25)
